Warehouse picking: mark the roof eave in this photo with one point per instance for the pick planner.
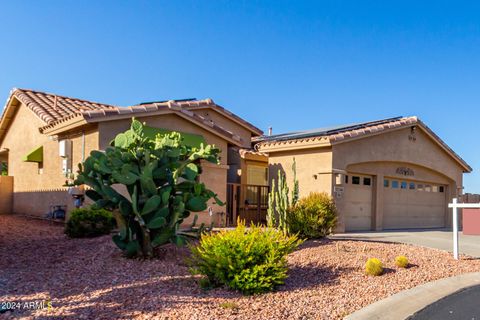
(467, 168)
(319, 142)
(8, 114)
(245, 124)
(161, 112)
(63, 126)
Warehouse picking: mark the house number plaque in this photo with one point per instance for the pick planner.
(404, 171)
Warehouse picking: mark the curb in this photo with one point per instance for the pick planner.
(405, 303)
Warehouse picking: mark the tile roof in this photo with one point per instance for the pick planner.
(244, 152)
(51, 108)
(227, 113)
(55, 110)
(169, 106)
(340, 133)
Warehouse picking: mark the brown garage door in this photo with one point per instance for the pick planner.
(358, 202)
(409, 204)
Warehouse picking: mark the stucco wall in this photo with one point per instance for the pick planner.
(395, 146)
(313, 169)
(34, 191)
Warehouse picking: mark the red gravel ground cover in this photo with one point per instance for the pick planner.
(89, 279)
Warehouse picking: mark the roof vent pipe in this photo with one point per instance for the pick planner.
(270, 131)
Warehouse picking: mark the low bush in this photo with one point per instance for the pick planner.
(88, 222)
(313, 216)
(250, 260)
(401, 262)
(373, 267)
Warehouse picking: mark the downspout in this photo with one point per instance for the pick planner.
(83, 147)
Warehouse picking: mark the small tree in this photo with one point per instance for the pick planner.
(161, 177)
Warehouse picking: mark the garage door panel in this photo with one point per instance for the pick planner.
(412, 208)
(358, 207)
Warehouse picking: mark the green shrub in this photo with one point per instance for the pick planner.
(250, 260)
(313, 216)
(87, 222)
(401, 261)
(373, 267)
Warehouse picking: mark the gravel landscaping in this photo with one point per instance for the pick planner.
(89, 279)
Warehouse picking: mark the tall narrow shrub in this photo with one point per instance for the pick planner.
(279, 199)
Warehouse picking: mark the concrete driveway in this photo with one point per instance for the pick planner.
(432, 238)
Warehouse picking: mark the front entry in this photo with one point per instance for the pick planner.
(358, 202)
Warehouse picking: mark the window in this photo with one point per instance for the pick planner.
(386, 183)
(346, 179)
(367, 181)
(434, 188)
(441, 189)
(404, 185)
(355, 180)
(428, 188)
(395, 184)
(411, 186)
(420, 187)
(257, 175)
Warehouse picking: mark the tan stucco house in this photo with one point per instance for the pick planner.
(44, 136)
(387, 174)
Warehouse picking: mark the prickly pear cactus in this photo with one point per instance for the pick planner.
(161, 178)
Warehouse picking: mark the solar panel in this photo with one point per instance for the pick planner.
(326, 130)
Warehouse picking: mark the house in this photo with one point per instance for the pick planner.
(44, 136)
(387, 174)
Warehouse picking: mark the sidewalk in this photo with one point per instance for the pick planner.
(404, 304)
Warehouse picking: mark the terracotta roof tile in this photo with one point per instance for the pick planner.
(51, 108)
(55, 109)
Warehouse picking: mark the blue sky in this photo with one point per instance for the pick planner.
(289, 64)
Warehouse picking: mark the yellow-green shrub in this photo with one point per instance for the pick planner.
(250, 260)
(401, 261)
(313, 216)
(373, 267)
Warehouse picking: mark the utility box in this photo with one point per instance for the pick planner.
(471, 221)
(65, 148)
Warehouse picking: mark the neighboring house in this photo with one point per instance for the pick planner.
(44, 136)
(387, 174)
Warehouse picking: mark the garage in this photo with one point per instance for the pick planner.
(393, 173)
(358, 202)
(412, 204)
